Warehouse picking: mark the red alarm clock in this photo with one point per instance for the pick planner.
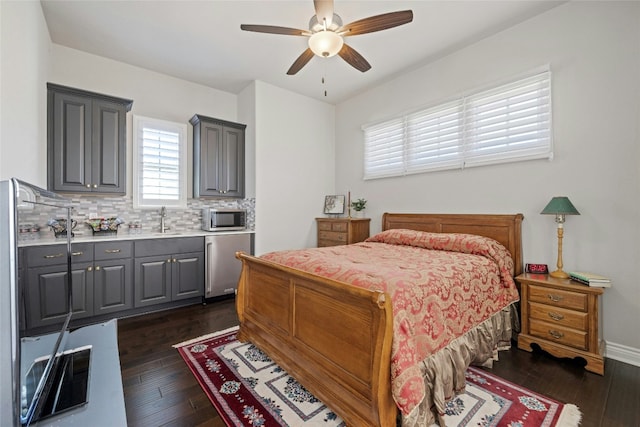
(536, 268)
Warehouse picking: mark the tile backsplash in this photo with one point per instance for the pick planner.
(86, 207)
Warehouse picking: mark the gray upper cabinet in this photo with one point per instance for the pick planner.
(218, 157)
(86, 141)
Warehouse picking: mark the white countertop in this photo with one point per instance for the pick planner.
(48, 239)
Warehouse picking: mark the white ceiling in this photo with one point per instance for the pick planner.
(201, 41)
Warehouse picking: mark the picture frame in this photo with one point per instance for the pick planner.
(334, 205)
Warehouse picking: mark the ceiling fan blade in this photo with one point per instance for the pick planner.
(272, 29)
(353, 58)
(301, 62)
(376, 23)
(324, 10)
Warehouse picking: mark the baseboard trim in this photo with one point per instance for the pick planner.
(622, 353)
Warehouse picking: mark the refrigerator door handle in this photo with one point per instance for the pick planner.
(209, 266)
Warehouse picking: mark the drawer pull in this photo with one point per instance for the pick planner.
(557, 335)
(555, 298)
(556, 316)
(112, 251)
(53, 256)
(77, 253)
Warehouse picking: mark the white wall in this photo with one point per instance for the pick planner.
(247, 115)
(294, 166)
(594, 52)
(24, 66)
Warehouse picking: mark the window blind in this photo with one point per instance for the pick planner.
(160, 165)
(433, 138)
(384, 149)
(159, 172)
(510, 122)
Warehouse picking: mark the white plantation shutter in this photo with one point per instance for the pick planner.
(433, 138)
(508, 123)
(160, 171)
(384, 149)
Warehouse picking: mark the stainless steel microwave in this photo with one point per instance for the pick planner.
(223, 219)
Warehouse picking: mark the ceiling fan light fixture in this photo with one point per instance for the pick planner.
(325, 43)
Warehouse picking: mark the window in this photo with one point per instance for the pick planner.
(159, 171)
(507, 123)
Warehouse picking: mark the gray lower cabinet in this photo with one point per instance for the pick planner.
(168, 270)
(153, 280)
(45, 284)
(113, 286)
(47, 302)
(108, 278)
(187, 272)
(113, 277)
(102, 283)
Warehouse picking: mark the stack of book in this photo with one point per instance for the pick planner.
(590, 279)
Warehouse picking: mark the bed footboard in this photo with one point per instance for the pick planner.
(335, 339)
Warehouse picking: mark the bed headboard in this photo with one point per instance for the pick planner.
(506, 229)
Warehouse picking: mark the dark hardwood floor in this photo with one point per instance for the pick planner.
(160, 390)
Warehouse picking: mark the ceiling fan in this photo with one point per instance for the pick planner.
(326, 34)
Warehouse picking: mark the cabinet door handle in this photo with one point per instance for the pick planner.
(89, 268)
(556, 316)
(88, 185)
(169, 260)
(557, 335)
(95, 185)
(97, 268)
(555, 298)
(53, 256)
(77, 253)
(112, 251)
(175, 260)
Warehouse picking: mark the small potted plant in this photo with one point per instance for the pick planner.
(358, 206)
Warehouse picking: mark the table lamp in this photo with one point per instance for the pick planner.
(560, 206)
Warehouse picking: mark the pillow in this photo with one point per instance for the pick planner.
(454, 242)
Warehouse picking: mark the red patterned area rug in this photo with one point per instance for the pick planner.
(248, 389)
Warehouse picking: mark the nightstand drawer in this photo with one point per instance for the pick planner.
(332, 235)
(558, 298)
(561, 316)
(559, 334)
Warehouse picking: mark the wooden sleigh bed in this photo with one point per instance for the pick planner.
(335, 338)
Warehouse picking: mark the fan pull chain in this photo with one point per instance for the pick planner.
(324, 72)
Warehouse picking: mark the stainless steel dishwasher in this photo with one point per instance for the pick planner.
(222, 266)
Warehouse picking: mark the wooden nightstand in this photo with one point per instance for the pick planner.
(562, 317)
(342, 231)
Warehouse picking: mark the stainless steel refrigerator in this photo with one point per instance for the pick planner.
(222, 267)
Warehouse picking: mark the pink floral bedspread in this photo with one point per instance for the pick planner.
(441, 286)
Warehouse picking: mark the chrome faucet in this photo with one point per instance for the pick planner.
(163, 215)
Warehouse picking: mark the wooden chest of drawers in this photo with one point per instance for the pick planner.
(342, 231)
(562, 317)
